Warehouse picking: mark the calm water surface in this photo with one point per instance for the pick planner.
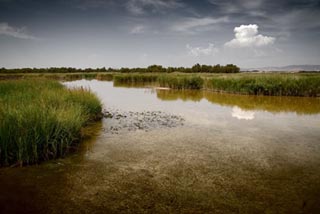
(233, 154)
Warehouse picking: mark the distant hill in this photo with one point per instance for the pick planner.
(289, 68)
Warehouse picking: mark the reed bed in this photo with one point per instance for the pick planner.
(169, 80)
(267, 84)
(135, 78)
(181, 82)
(307, 85)
(41, 119)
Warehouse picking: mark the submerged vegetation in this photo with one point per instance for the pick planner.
(41, 119)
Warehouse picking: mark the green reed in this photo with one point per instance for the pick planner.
(41, 119)
(181, 82)
(135, 78)
(252, 84)
(163, 80)
(267, 84)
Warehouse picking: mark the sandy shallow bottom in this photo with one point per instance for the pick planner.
(178, 170)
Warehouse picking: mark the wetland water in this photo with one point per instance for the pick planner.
(166, 151)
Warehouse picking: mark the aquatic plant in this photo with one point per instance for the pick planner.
(169, 80)
(135, 78)
(181, 82)
(40, 119)
(271, 84)
(267, 84)
(252, 84)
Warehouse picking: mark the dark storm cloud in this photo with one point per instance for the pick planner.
(270, 7)
(135, 7)
(275, 13)
(264, 10)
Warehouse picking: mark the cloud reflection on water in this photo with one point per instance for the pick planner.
(242, 114)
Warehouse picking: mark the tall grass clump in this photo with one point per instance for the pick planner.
(264, 84)
(134, 78)
(181, 82)
(41, 119)
(163, 80)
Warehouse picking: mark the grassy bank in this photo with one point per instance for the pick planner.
(41, 119)
(307, 85)
(267, 84)
(173, 81)
(135, 78)
(181, 82)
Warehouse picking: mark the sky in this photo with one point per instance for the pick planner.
(138, 33)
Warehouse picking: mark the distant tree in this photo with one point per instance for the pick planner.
(156, 68)
(197, 68)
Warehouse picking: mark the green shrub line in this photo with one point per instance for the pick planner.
(248, 84)
(197, 68)
(41, 119)
(57, 76)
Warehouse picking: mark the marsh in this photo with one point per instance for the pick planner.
(224, 154)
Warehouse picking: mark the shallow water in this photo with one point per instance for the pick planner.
(231, 154)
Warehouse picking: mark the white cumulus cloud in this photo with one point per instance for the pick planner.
(20, 33)
(247, 36)
(202, 51)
